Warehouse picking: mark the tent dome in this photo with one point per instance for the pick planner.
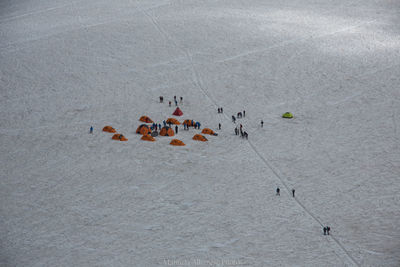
(208, 131)
(173, 121)
(148, 137)
(189, 122)
(287, 115)
(167, 131)
(176, 142)
(177, 112)
(146, 119)
(109, 129)
(119, 137)
(199, 137)
(143, 129)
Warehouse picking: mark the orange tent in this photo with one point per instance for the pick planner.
(148, 137)
(143, 129)
(173, 121)
(167, 131)
(109, 129)
(176, 142)
(189, 122)
(119, 137)
(199, 137)
(208, 131)
(146, 119)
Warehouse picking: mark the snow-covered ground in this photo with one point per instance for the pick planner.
(68, 198)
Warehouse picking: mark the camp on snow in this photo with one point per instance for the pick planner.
(146, 119)
(287, 115)
(177, 112)
(173, 121)
(109, 129)
(199, 137)
(208, 131)
(148, 137)
(176, 142)
(119, 137)
(143, 129)
(167, 131)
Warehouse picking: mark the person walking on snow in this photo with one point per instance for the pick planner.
(278, 192)
(169, 103)
(222, 111)
(262, 123)
(159, 126)
(91, 129)
(219, 126)
(181, 99)
(328, 229)
(176, 129)
(244, 113)
(176, 103)
(325, 230)
(293, 192)
(233, 119)
(236, 131)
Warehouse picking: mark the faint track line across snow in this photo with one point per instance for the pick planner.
(291, 41)
(33, 13)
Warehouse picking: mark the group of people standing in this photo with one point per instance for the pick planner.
(240, 132)
(170, 102)
(327, 229)
(278, 191)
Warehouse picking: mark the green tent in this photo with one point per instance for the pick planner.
(287, 115)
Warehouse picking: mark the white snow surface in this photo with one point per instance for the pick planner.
(69, 198)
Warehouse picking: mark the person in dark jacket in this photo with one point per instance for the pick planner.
(293, 192)
(325, 230)
(176, 129)
(169, 103)
(278, 192)
(219, 126)
(244, 113)
(328, 229)
(233, 119)
(262, 123)
(91, 129)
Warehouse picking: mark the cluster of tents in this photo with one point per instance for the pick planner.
(148, 132)
(148, 135)
(116, 136)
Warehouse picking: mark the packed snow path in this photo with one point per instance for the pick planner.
(74, 199)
